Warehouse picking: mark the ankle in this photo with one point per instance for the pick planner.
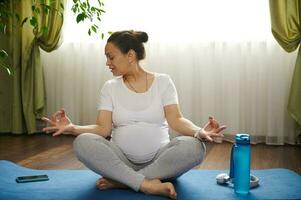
(146, 184)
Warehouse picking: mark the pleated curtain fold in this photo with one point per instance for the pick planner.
(23, 94)
(286, 28)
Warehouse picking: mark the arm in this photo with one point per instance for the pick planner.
(102, 127)
(61, 124)
(177, 122)
(184, 126)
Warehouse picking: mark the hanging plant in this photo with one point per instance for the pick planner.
(82, 9)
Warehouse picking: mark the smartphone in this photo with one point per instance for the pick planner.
(32, 178)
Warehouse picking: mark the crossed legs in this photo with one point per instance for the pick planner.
(106, 159)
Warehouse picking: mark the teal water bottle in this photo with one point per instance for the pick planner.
(241, 162)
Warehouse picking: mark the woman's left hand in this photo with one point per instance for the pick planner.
(211, 130)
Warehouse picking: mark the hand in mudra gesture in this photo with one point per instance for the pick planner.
(211, 130)
(59, 123)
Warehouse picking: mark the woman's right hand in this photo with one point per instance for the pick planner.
(59, 123)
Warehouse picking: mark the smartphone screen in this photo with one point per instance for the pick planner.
(32, 178)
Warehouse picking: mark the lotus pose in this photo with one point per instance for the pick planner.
(136, 109)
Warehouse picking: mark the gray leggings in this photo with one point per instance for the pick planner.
(105, 158)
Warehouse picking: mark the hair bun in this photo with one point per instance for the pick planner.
(141, 36)
(127, 40)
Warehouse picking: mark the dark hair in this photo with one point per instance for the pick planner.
(127, 40)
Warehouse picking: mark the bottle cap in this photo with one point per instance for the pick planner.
(242, 138)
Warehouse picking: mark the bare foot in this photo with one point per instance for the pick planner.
(156, 187)
(105, 183)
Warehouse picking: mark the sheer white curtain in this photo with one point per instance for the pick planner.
(220, 54)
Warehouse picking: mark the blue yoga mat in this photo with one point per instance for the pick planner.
(193, 185)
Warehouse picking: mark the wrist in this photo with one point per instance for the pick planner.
(199, 134)
(72, 128)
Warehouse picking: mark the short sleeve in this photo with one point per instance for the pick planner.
(170, 95)
(105, 100)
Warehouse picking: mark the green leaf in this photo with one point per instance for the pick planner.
(94, 29)
(88, 4)
(33, 21)
(24, 21)
(100, 3)
(33, 7)
(45, 29)
(61, 14)
(74, 9)
(89, 31)
(74, 1)
(110, 32)
(82, 8)
(46, 11)
(52, 2)
(62, 6)
(80, 17)
(8, 70)
(17, 17)
(102, 36)
(3, 28)
(46, 6)
(37, 10)
(3, 54)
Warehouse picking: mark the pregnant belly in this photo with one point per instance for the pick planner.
(141, 141)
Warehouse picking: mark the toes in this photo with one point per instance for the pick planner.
(101, 186)
(101, 183)
(98, 181)
(101, 180)
(171, 191)
(173, 195)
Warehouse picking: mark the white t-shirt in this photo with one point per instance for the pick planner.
(139, 124)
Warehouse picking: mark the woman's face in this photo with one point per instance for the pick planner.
(118, 62)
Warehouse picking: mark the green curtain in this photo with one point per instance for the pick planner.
(286, 28)
(24, 96)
